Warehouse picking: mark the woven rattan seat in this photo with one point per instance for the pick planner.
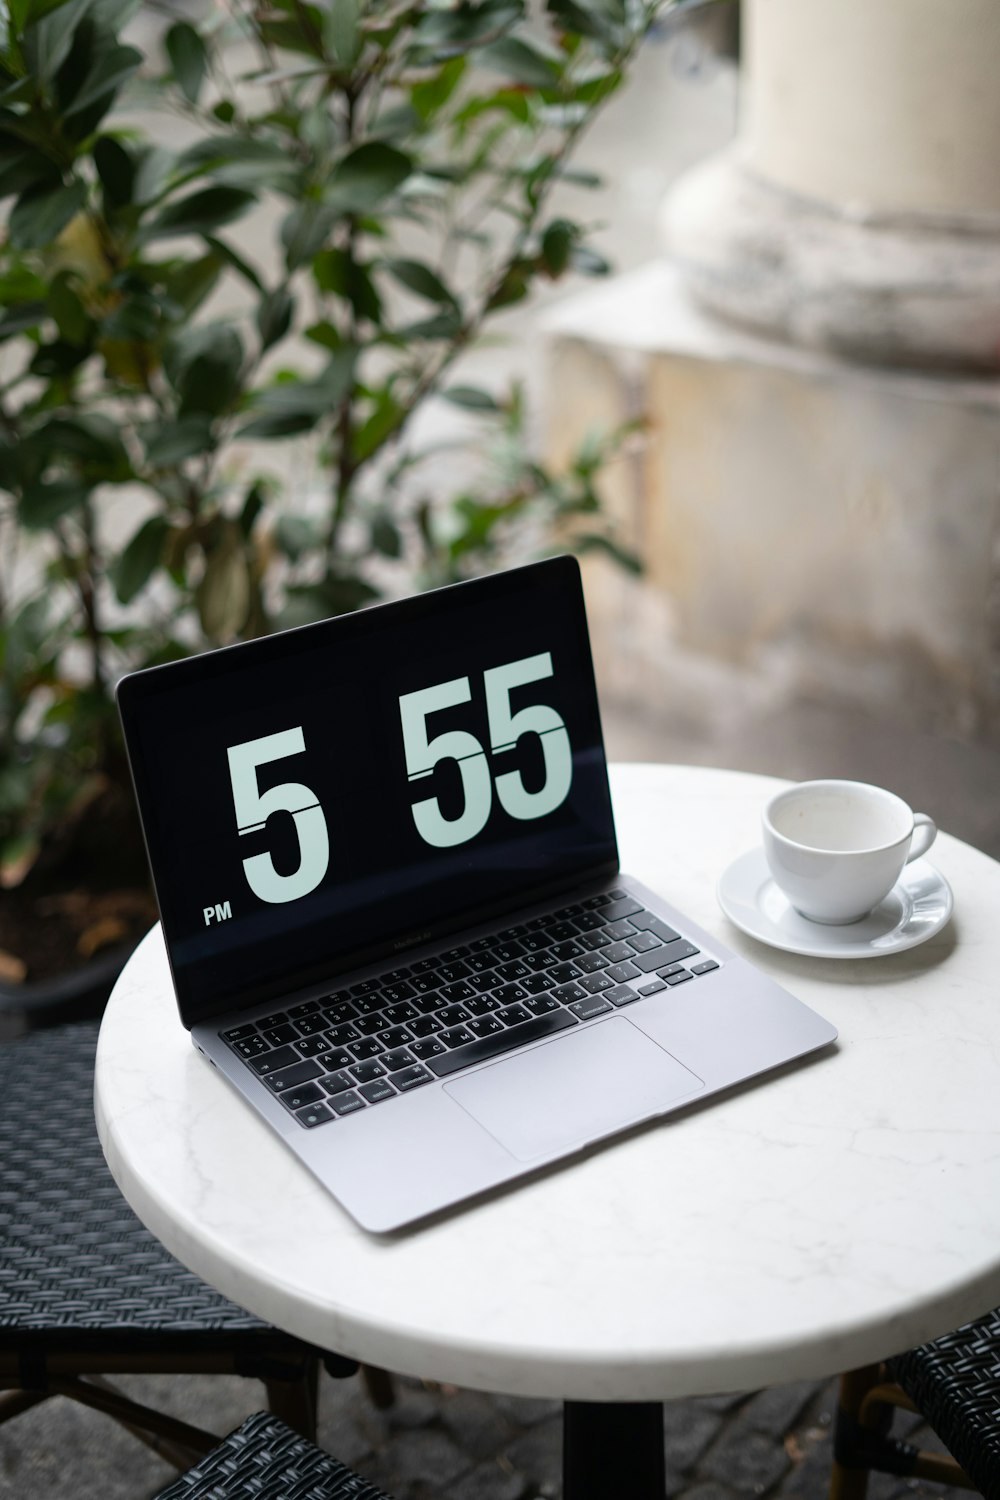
(85, 1289)
(264, 1460)
(954, 1383)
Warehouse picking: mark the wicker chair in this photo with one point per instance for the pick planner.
(85, 1290)
(264, 1460)
(954, 1384)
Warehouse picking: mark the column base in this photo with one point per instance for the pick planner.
(909, 291)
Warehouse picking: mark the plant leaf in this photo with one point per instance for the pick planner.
(419, 278)
(41, 213)
(140, 559)
(188, 58)
(200, 212)
(367, 175)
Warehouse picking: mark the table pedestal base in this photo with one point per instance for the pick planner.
(613, 1448)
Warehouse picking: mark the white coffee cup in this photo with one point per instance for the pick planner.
(837, 848)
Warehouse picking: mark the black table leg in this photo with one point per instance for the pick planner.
(613, 1449)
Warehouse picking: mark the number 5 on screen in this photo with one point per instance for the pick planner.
(254, 807)
(506, 728)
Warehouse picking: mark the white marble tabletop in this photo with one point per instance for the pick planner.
(833, 1214)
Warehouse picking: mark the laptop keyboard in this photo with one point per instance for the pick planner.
(361, 1045)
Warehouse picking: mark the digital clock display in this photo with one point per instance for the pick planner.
(325, 796)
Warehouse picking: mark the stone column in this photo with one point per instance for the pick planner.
(858, 210)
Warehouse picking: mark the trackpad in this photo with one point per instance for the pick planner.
(580, 1086)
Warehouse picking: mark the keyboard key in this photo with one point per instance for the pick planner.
(425, 1026)
(315, 1114)
(450, 973)
(395, 975)
(367, 1072)
(399, 1058)
(669, 953)
(370, 1047)
(396, 1036)
(306, 1093)
(399, 1014)
(312, 1046)
(376, 1092)
(648, 923)
(704, 968)
(492, 1046)
(346, 1104)
(238, 1033)
(624, 906)
(309, 1025)
(482, 1005)
(618, 953)
(412, 1077)
(430, 1047)
(680, 977)
(652, 987)
(451, 1015)
(479, 963)
(590, 962)
(251, 1046)
(339, 1011)
(622, 994)
(594, 983)
(540, 1005)
(643, 941)
(286, 1078)
(592, 1006)
(265, 1022)
(454, 953)
(423, 984)
(331, 1061)
(508, 994)
(456, 1037)
(565, 952)
(616, 931)
(483, 1026)
(673, 952)
(371, 1025)
(560, 973)
(484, 982)
(274, 1061)
(505, 952)
(620, 972)
(513, 1015)
(336, 1083)
(340, 1035)
(513, 970)
(366, 1005)
(307, 1008)
(588, 921)
(455, 993)
(364, 987)
(569, 992)
(400, 991)
(428, 1004)
(562, 932)
(533, 942)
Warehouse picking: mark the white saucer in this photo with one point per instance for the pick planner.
(917, 907)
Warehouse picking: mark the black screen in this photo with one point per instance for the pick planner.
(324, 796)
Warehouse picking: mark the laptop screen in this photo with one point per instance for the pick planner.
(327, 796)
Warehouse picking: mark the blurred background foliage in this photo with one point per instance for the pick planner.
(159, 349)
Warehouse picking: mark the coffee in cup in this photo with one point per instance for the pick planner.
(837, 848)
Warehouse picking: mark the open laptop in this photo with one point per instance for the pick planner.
(385, 861)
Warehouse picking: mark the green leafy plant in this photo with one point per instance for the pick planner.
(359, 189)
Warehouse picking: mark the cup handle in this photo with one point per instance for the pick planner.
(924, 834)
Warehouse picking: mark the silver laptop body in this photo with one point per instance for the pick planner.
(384, 855)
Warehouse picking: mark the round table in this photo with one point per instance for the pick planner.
(819, 1219)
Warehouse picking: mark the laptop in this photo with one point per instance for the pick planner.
(384, 855)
